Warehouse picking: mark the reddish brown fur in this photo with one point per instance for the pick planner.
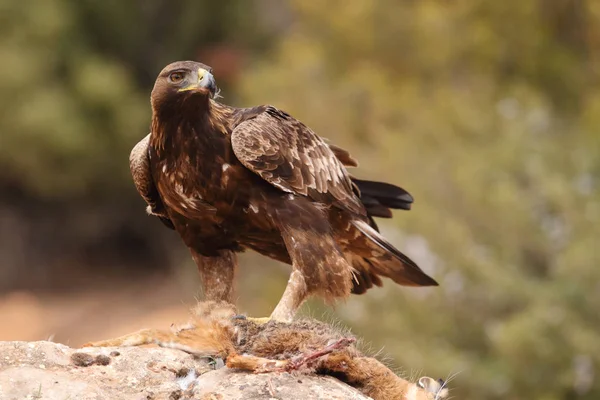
(308, 346)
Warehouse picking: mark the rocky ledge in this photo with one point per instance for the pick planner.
(47, 370)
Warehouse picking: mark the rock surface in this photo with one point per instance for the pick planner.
(46, 370)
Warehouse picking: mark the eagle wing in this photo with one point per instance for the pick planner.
(290, 156)
(341, 154)
(139, 164)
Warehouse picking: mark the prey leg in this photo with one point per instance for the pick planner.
(255, 364)
(308, 358)
(265, 365)
(199, 342)
(139, 338)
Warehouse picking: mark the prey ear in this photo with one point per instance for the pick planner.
(432, 386)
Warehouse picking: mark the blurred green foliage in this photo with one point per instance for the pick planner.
(75, 78)
(487, 112)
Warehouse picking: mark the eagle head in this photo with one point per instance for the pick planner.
(183, 80)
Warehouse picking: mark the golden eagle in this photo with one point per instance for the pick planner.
(229, 179)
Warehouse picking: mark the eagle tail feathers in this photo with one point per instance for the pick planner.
(384, 194)
(400, 268)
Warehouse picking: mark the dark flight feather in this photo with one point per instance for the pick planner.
(385, 194)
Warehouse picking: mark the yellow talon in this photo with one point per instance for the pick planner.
(259, 320)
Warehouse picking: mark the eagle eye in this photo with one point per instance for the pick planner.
(176, 77)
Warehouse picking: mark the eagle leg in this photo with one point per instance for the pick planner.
(318, 267)
(217, 274)
(294, 295)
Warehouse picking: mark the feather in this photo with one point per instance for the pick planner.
(343, 155)
(374, 208)
(407, 272)
(291, 157)
(386, 194)
(139, 165)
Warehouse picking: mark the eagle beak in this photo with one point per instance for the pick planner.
(206, 81)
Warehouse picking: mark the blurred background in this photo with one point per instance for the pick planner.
(488, 112)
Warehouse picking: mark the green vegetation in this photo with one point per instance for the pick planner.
(487, 112)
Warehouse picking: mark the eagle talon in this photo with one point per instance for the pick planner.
(259, 320)
(254, 320)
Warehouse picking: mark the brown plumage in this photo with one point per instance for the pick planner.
(229, 179)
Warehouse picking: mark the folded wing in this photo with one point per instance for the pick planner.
(291, 157)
